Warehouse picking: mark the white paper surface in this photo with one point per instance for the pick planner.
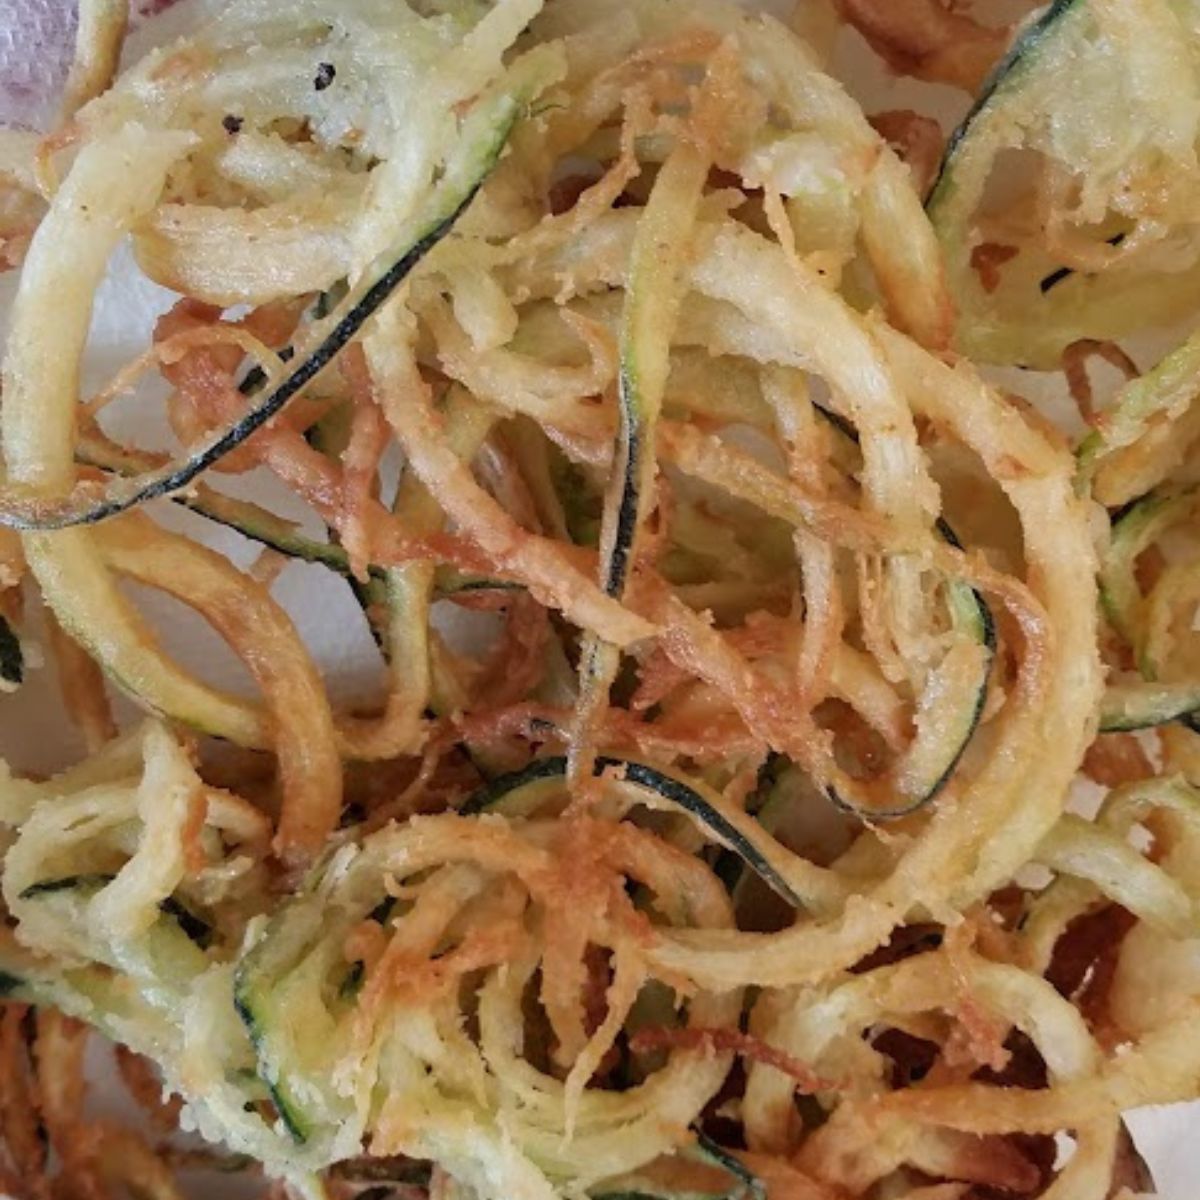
(34, 735)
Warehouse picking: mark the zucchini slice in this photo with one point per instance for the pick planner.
(84, 886)
(124, 1014)
(243, 516)
(289, 989)
(262, 1014)
(744, 1184)
(958, 695)
(1104, 102)
(1154, 701)
(484, 138)
(947, 725)
(174, 950)
(1134, 529)
(656, 288)
(748, 1184)
(90, 993)
(655, 291)
(82, 509)
(268, 529)
(525, 792)
(329, 437)
(1137, 441)
(1144, 704)
(947, 717)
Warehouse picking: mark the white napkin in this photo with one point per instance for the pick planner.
(35, 51)
(36, 39)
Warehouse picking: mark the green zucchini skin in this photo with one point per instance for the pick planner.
(258, 977)
(358, 972)
(729, 867)
(1129, 526)
(749, 1184)
(685, 798)
(68, 883)
(970, 607)
(290, 1112)
(1151, 703)
(329, 437)
(273, 532)
(983, 615)
(10, 985)
(195, 928)
(1037, 98)
(179, 474)
(987, 625)
(987, 637)
(745, 1186)
(255, 975)
(12, 660)
(970, 611)
(973, 610)
(1129, 708)
(493, 795)
(1134, 527)
(616, 569)
(675, 792)
(1007, 71)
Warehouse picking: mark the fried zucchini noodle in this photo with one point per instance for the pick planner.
(736, 858)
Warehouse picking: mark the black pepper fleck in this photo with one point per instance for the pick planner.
(231, 123)
(325, 76)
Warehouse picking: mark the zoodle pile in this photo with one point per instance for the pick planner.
(818, 816)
